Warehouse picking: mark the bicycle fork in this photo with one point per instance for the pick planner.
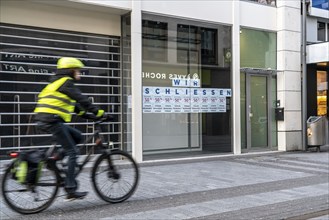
(112, 173)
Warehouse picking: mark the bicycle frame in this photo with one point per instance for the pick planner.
(99, 142)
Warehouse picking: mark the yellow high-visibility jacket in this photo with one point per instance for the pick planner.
(61, 97)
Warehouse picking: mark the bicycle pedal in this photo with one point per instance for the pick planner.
(76, 195)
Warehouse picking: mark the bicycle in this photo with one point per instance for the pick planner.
(114, 176)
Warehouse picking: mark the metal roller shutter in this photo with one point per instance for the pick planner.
(28, 58)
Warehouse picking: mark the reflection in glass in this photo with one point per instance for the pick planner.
(243, 103)
(258, 111)
(257, 49)
(155, 39)
(193, 50)
(322, 91)
(274, 125)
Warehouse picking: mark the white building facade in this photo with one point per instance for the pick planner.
(182, 77)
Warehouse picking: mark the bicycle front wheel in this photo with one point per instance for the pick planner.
(29, 199)
(115, 176)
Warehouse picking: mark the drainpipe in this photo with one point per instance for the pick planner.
(304, 75)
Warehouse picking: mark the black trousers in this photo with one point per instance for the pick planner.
(68, 138)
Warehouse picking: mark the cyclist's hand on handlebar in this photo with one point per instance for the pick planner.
(89, 115)
(106, 117)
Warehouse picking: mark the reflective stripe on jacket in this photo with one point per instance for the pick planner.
(50, 100)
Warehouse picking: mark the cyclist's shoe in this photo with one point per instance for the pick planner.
(76, 195)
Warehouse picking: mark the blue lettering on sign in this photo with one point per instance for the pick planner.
(228, 93)
(147, 91)
(195, 92)
(157, 91)
(212, 92)
(176, 82)
(176, 92)
(186, 82)
(204, 92)
(167, 91)
(221, 92)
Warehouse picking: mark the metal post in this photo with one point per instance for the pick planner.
(17, 98)
(304, 79)
(92, 127)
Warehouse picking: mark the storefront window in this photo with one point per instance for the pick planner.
(258, 89)
(178, 90)
(322, 91)
(191, 40)
(257, 49)
(155, 39)
(243, 104)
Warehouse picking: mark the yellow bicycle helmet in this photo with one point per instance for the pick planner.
(69, 63)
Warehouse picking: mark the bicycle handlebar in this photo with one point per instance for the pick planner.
(98, 120)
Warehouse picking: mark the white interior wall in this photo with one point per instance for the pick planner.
(258, 16)
(56, 17)
(213, 11)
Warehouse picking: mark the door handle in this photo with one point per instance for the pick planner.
(250, 116)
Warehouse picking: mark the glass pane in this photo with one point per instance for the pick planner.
(174, 117)
(274, 126)
(209, 46)
(257, 49)
(321, 31)
(155, 39)
(258, 116)
(322, 90)
(243, 110)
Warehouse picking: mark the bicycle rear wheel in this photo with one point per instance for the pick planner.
(115, 176)
(29, 199)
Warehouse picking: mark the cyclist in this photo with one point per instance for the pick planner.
(55, 104)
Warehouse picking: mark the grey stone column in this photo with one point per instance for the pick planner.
(289, 80)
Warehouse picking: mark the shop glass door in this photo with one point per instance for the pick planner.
(258, 121)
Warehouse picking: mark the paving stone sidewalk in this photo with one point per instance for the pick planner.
(256, 186)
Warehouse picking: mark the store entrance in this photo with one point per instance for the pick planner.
(257, 111)
(257, 107)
